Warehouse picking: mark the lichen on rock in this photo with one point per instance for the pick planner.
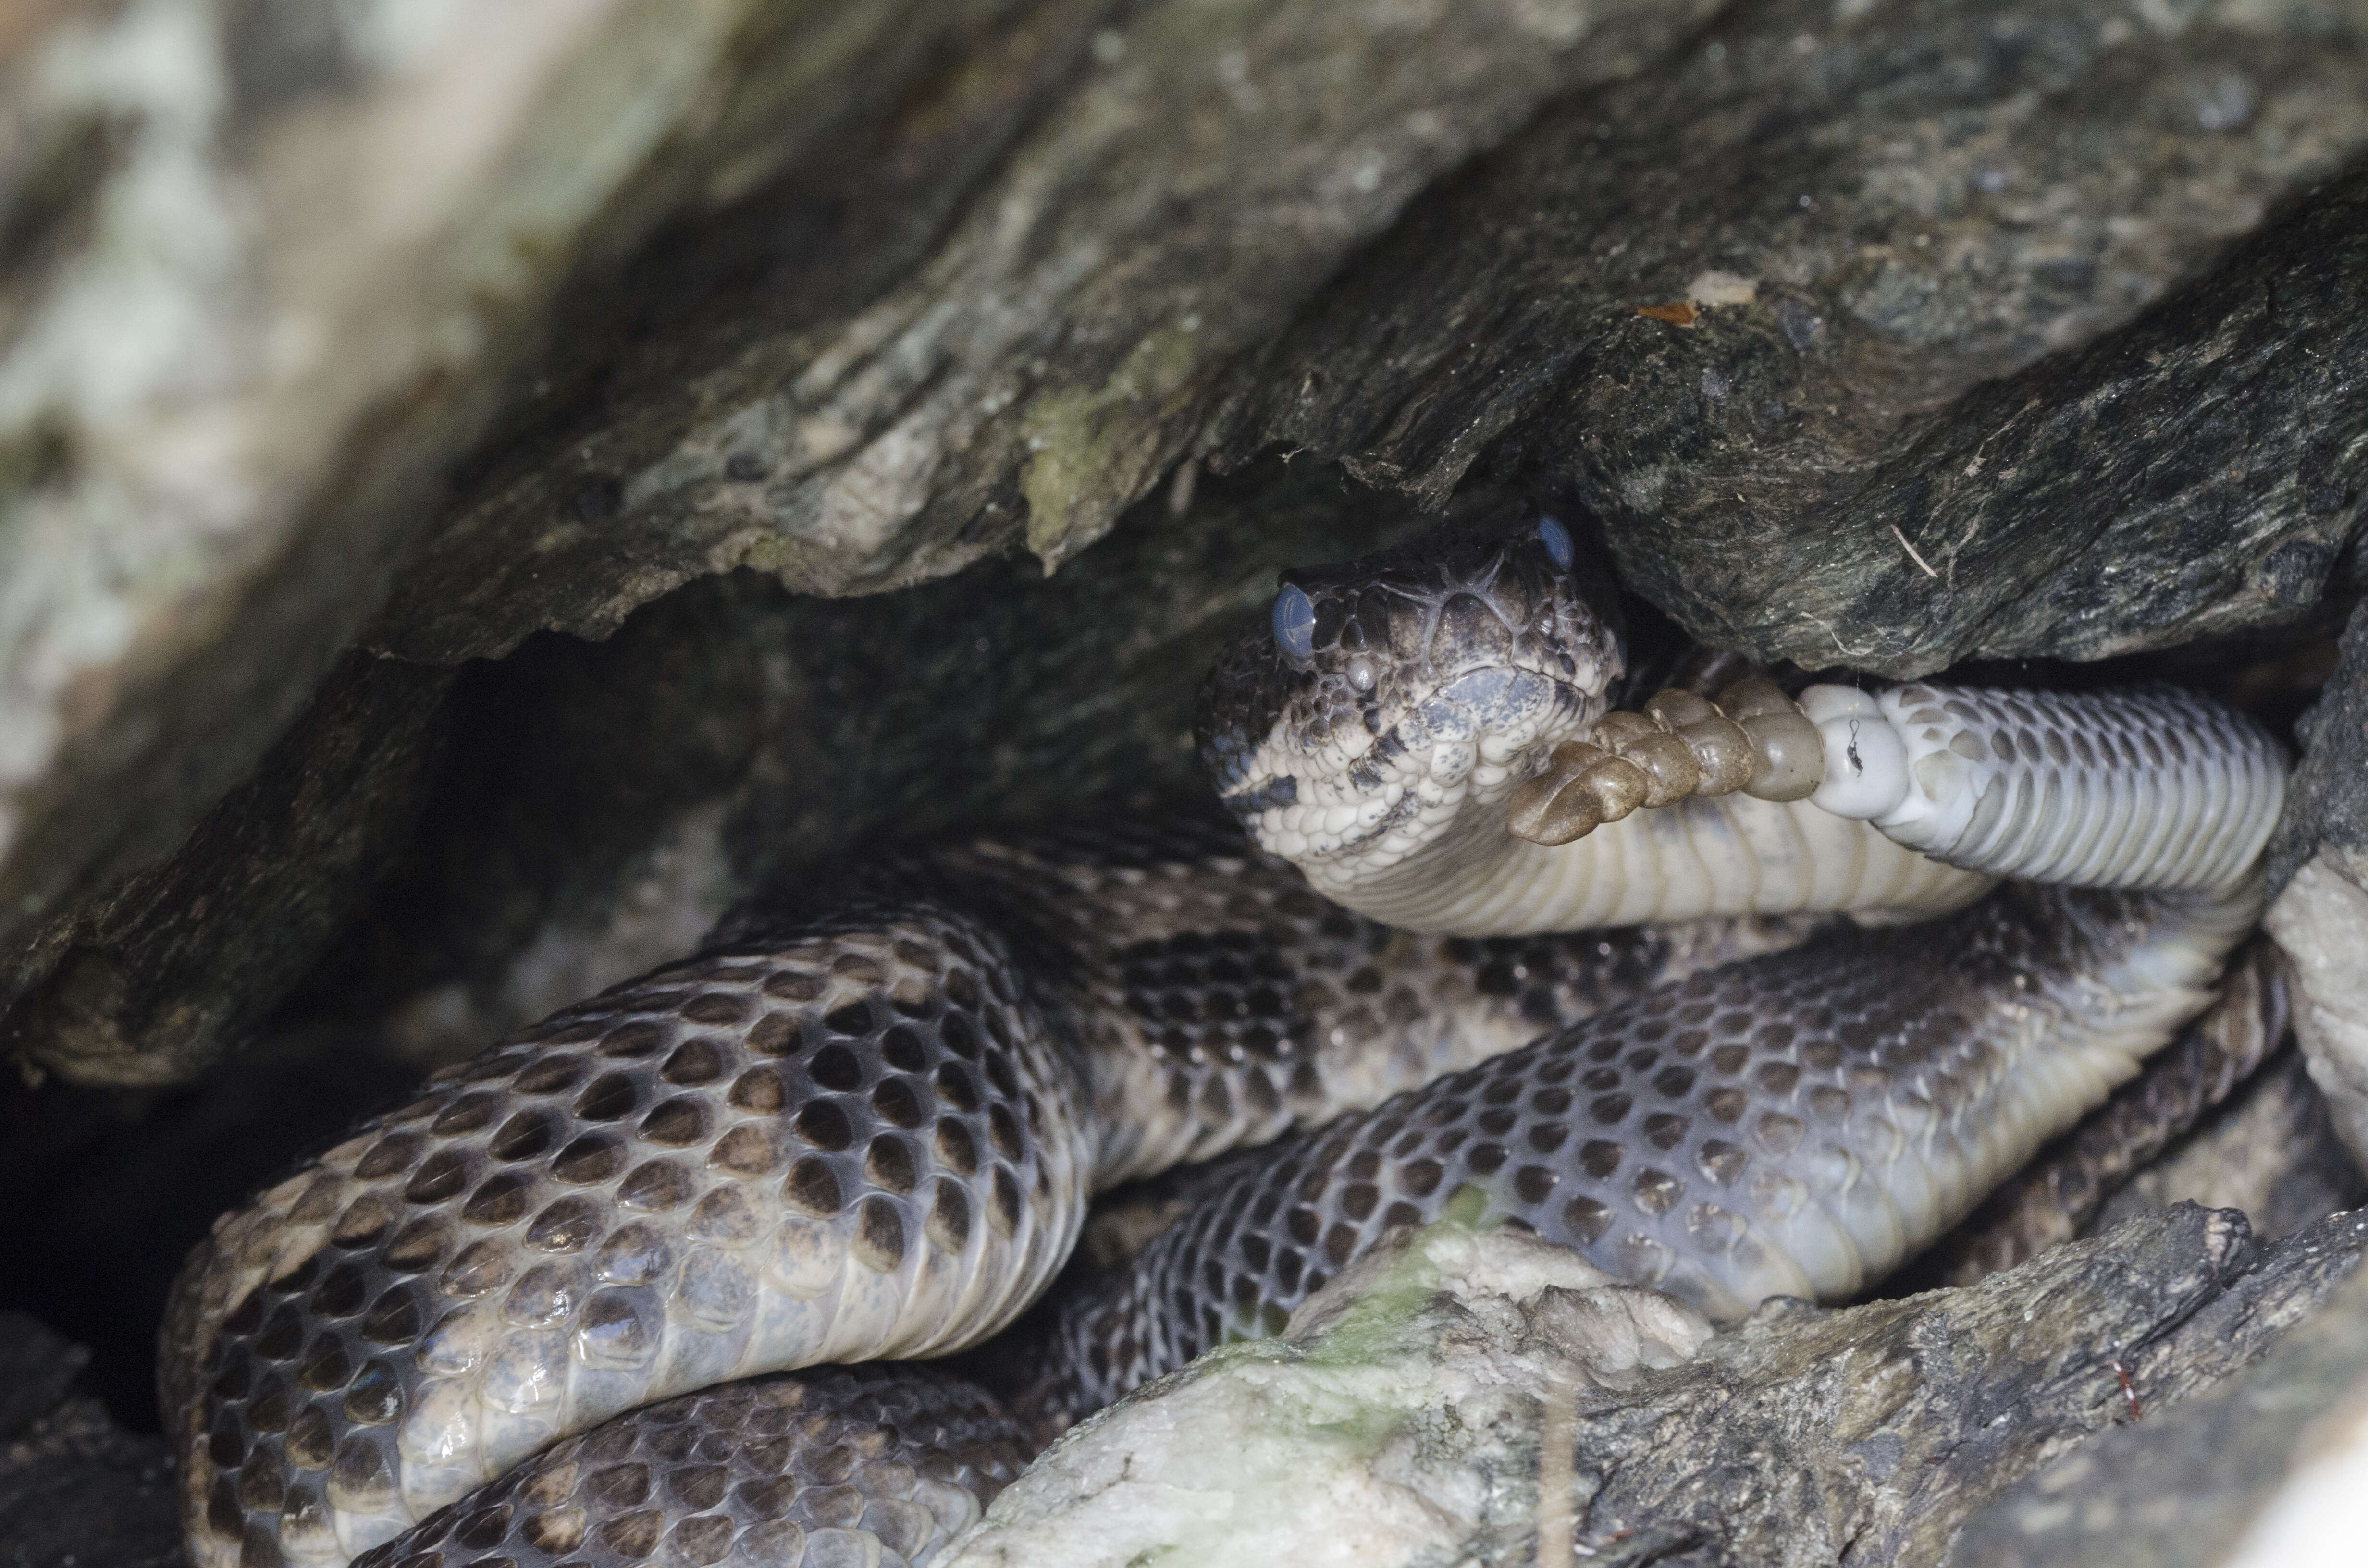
(1395, 1420)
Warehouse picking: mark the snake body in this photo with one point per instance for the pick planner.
(866, 1125)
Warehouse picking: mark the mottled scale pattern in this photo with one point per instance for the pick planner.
(863, 1141)
(876, 1466)
(870, 1134)
(1782, 1126)
(1220, 1004)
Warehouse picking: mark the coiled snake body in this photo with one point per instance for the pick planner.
(870, 1132)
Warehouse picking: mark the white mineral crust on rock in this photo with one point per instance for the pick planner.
(1395, 1419)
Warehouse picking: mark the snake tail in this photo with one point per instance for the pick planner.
(2133, 788)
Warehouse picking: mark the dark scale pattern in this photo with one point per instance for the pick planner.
(1222, 1004)
(834, 1468)
(1771, 1127)
(861, 1137)
(862, 1140)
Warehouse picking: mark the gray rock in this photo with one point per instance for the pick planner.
(1394, 1422)
(1052, 356)
(266, 271)
(2318, 880)
(2263, 1469)
(1834, 322)
(1400, 1419)
(154, 978)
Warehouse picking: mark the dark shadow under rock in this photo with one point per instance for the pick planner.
(75, 1489)
(110, 1190)
(605, 802)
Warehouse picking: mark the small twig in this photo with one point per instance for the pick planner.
(1557, 1478)
(1911, 552)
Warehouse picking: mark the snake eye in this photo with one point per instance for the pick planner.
(1556, 538)
(1294, 625)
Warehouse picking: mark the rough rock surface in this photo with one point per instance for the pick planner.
(1868, 1435)
(1776, 312)
(74, 1488)
(1384, 1426)
(1050, 359)
(2318, 885)
(267, 269)
(2264, 1469)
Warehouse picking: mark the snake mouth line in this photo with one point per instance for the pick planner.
(1564, 706)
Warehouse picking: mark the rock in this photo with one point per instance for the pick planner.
(1383, 1427)
(1834, 322)
(1052, 353)
(1400, 1419)
(266, 271)
(74, 1488)
(154, 978)
(2262, 1469)
(2318, 883)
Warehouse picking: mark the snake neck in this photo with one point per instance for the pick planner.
(1733, 855)
(1213, 1002)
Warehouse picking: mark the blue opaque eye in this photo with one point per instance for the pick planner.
(1556, 538)
(1294, 625)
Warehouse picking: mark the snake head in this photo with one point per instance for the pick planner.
(1387, 697)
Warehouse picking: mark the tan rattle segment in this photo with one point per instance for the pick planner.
(1754, 738)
